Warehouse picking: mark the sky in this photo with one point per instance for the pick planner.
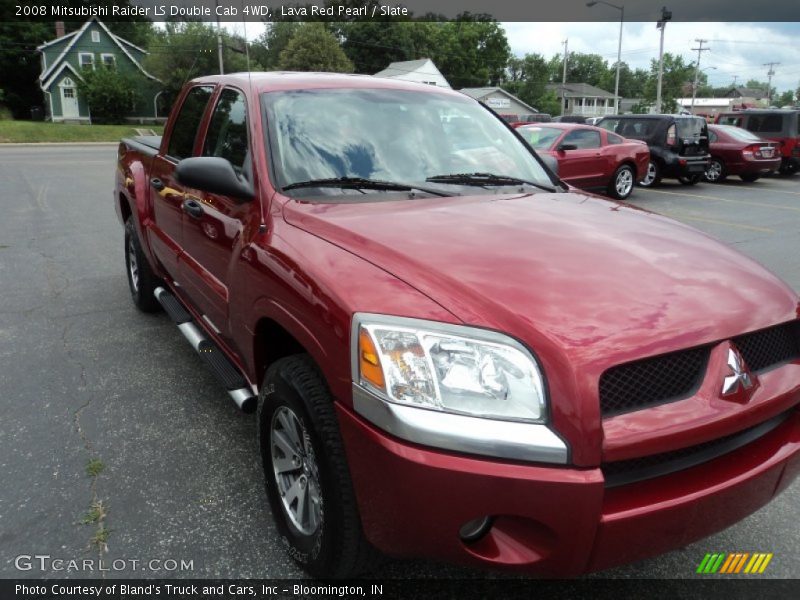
(736, 49)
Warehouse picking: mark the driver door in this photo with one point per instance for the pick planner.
(583, 167)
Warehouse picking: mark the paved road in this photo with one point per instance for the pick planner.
(83, 376)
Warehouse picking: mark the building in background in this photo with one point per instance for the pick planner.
(706, 107)
(419, 71)
(583, 99)
(501, 102)
(92, 46)
(745, 97)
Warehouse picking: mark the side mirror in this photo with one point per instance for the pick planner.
(565, 147)
(215, 175)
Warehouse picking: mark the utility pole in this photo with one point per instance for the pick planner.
(662, 25)
(566, 55)
(219, 41)
(700, 51)
(735, 77)
(770, 73)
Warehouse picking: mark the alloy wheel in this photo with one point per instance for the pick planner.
(296, 472)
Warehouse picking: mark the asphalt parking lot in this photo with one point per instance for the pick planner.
(84, 376)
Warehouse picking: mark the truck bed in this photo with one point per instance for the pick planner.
(148, 145)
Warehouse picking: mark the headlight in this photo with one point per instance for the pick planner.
(448, 368)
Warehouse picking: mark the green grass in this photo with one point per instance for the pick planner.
(33, 131)
(94, 467)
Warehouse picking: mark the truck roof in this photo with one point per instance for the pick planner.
(267, 81)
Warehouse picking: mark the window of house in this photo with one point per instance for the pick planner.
(184, 131)
(95, 36)
(227, 131)
(86, 60)
(109, 60)
(69, 92)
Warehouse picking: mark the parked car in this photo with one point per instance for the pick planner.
(736, 151)
(570, 119)
(678, 144)
(593, 120)
(589, 157)
(450, 354)
(517, 120)
(782, 126)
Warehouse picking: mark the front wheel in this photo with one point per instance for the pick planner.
(652, 176)
(621, 184)
(715, 173)
(305, 471)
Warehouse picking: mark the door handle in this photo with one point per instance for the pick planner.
(157, 184)
(193, 208)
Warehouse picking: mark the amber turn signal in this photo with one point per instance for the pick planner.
(368, 362)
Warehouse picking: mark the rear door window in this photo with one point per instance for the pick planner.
(614, 139)
(765, 123)
(184, 131)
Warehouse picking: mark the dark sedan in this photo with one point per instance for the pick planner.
(736, 151)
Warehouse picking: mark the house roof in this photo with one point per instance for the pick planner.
(408, 66)
(58, 71)
(46, 75)
(578, 90)
(482, 92)
(55, 41)
(747, 92)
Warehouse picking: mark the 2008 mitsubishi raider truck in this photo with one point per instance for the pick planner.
(451, 354)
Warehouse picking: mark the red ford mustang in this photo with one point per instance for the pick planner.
(590, 157)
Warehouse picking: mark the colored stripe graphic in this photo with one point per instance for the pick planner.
(724, 563)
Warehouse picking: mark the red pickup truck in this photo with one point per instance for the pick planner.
(452, 354)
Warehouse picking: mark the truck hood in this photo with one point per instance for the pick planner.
(596, 281)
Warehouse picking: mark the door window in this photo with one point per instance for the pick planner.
(583, 138)
(181, 141)
(227, 132)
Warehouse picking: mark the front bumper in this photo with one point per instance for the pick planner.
(557, 521)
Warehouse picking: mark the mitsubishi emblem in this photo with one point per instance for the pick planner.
(740, 377)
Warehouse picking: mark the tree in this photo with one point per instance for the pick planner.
(471, 51)
(108, 93)
(527, 78)
(182, 51)
(314, 48)
(677, 74)
(266, 50)
(583, 68)
(784, 99)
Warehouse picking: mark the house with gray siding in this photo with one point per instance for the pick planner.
(93, 46)
(500, 101)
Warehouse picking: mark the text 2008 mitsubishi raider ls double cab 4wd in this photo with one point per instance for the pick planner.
(453, 355)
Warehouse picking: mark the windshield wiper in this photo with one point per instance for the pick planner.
(360, 183)
(485, 179)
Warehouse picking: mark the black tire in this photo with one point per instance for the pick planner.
(690, 179)
(622, 182)
(337, 546)
(749, 178)
(141, 279)
(716, 172)
(652, 176)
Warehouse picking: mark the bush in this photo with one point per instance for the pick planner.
(109, 94)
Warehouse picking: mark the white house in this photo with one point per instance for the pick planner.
(420, 71)
(707, 106)
(500, 100)
(583, 99)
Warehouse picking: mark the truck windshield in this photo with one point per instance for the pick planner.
(394, 136)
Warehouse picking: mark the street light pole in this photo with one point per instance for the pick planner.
(219, 41)
(662, 25)
(621, 10)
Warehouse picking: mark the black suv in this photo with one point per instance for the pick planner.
(678, 144)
